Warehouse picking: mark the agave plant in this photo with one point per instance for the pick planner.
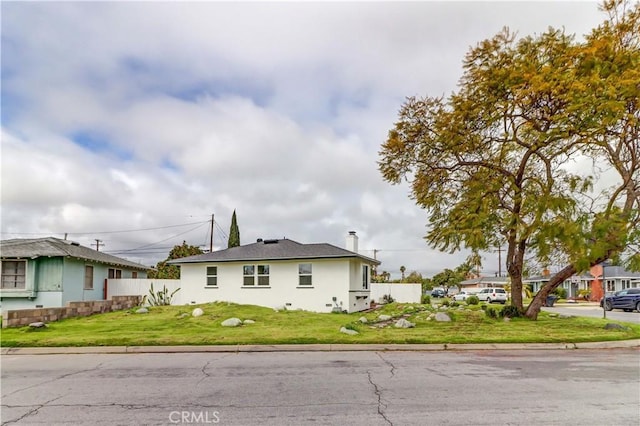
(161, 297)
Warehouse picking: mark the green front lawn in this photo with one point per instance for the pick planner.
(165, 326)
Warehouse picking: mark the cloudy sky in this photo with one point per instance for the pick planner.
(133, 123)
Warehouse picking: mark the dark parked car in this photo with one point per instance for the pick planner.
(627, 300)
(438, 292)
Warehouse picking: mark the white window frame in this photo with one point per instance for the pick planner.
(212, 276)
(255, 275)
(305, 275)
(15, 275)
(610, 285)
(263, 275)
(88, 284)
(249, 278)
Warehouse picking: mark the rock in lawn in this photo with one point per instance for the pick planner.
(384, 317)
(442, 317)
(345, 330)
(363, 320)
(403, 323)
(142, 311)
(232, 322)
(38, 324)
(197, 312)
(612, 326)
(248, 321)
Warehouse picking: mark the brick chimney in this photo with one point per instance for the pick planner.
(352, 242)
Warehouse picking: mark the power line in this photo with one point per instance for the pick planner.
(105, 232)
(166, 239)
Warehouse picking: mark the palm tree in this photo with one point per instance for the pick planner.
(402, 269)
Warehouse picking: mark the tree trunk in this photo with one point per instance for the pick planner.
(536, 304)
(515, 265)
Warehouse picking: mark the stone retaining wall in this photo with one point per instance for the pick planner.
(20, 317)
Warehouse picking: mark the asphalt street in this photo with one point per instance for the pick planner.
(594, 311)
(487, 387)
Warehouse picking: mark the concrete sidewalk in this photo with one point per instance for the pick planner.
(320, 348)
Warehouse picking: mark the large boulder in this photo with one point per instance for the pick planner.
(403, 323)
(38, 324)
(613, 326)
(363, 320)
(197, 312)
(345, 330)
(442, 317)
(384, 317)
(248, 321)
(142, 311)
(232, 322)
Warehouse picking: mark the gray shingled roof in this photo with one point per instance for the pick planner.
(274, 250)
(54, 247)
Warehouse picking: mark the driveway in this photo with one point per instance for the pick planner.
(594, 311)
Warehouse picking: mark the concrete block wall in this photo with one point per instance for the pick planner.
(21, 317)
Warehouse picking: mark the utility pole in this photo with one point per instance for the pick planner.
(500, 260)
(99, 243)
(211, 238)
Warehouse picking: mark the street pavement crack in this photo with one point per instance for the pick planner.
(32, 411)
(381, 406)
(52, 380)
(205, 375)
(389, 363)
(206, 366)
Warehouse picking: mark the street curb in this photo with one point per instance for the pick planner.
(620, 344)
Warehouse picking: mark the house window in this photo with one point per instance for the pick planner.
(212, 275)
(249, 274)
(626, 284)
(304, 274)
(14, 274)
(88, 277)
(263, 274)
(365, 277)
(611, 285)
(115, 273)
(134, 274)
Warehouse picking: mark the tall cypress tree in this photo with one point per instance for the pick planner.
(234, 232)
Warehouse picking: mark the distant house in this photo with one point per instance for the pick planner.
(615, 278)
(572, 285)
(281, 273)
(49, 272)
(476, 284)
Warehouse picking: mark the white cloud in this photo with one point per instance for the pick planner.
(140, 115)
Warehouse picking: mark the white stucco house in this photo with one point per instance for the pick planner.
(281, 273)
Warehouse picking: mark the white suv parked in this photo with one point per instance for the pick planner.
(492, 295)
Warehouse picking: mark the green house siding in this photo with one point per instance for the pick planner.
(49, 273)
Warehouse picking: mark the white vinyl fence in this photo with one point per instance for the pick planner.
(140, 287)
(401, 292)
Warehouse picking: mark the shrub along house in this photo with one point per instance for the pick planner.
(49, 272)
(281, 273)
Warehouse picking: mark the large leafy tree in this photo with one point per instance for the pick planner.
(234, 232)
(493, 161)
(172, 272)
